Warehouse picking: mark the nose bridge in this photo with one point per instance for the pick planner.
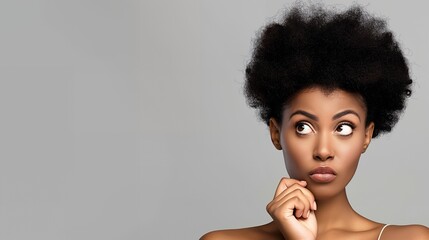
(323, 148)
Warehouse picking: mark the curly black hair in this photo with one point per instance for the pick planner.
(315, 47)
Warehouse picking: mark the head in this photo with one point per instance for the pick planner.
(316, 65)
(326, 130)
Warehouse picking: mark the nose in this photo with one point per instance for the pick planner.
(323, 150)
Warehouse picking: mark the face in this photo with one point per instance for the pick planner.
(322, 136)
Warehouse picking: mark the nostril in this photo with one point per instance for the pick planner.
(320, 157)
(323, 147)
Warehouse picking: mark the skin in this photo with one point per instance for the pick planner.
(319, 129)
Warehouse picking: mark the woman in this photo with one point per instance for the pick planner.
(325, 83)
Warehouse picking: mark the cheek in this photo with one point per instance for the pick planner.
(296, 153)
(349, 152)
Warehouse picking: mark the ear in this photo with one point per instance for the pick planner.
(368, 136)
(275, 133)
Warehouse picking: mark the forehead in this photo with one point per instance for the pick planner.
(319, 101)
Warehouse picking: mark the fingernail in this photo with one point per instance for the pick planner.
(308, 214)
(314, 206)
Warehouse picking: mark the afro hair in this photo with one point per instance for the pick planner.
(314, 47)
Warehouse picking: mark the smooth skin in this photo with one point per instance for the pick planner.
(319, 129)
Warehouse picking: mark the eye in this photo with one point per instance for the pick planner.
(344, 129)
(303, 128)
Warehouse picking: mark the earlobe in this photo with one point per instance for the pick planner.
(275, 133)
(368, 136)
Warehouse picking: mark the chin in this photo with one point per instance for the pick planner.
(325, 191)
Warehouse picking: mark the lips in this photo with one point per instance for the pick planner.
(323, 175)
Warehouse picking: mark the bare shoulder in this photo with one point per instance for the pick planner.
(231, 234)
(265, 232)
(411, 232)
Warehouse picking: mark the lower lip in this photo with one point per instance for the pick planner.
(323, 178)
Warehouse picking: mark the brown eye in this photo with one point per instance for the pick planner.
(344, 129)
(303, 128)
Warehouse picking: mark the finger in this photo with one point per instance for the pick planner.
(306, 192)
(304, 208)
(305, 195)
(295, 186)
(292, 207)
(299, 206)
(287, 191)
(310, 197)
(287, 182)
(281, 196)
(294, 191)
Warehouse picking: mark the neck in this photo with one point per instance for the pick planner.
(335, 212)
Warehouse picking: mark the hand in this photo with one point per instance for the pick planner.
(292, 209)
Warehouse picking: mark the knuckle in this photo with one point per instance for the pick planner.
(297, 191)
(268, 207)
(271, 208)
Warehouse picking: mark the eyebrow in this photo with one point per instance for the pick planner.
(307, 114)
(315, 118)
(343, 113)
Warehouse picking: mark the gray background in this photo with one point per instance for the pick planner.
(126, 120)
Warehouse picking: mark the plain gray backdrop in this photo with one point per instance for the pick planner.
(125, 119)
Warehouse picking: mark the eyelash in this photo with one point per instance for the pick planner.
(348, 124)
(303, 123)
(351, 125)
